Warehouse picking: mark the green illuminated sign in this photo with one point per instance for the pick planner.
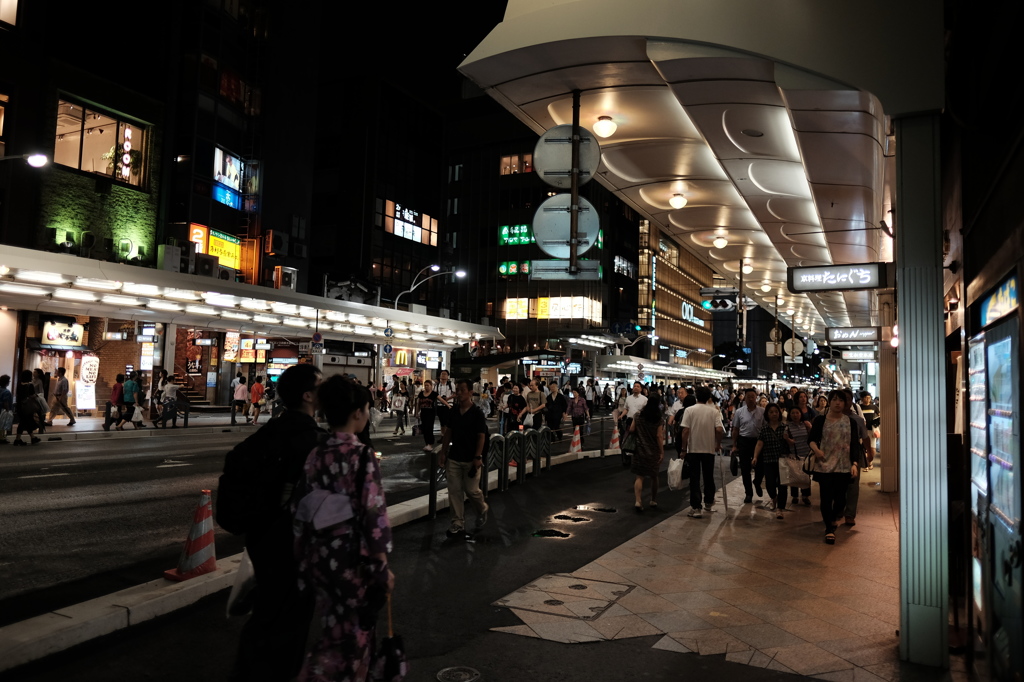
(515, 235)
(514, 268)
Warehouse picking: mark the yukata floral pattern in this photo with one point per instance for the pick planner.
(337, 561)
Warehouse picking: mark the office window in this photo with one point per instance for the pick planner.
(9, 12)
(101, 143)
(516, 163)
(624, 267)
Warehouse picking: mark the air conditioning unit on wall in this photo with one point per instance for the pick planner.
(286, 278)
(276, 243)
(225, 273)
(168, 257)
(207, 265)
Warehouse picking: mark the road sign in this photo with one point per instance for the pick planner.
(559, 269)
(640, 375)
(389, 332)
(773, 349)
(552, 156)
(774, 334)
(317, 348)
(551, 226)
(793, 347)
(639, 366)
(388, 349)
(318, 337)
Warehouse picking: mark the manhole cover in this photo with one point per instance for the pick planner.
(553, 602)
(459, 673)
(550, 534)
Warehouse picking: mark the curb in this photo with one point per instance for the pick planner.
(53, 632)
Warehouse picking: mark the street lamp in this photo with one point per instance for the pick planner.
(417, 281)
(34, 160)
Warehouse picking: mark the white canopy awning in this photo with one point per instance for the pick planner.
(61, 283)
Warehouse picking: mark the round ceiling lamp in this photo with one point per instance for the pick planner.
(747, 268)
(677, 201)
(720, 242)
(766, 287)
(605, 126)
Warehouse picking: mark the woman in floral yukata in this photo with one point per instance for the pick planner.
(347, 561)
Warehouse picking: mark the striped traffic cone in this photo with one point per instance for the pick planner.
(614, 445)
(198, 556)
(576, 447)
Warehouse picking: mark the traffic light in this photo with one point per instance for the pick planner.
(720, 304)
(643, 328)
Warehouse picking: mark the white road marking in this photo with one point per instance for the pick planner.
(167, 466)
(45, 475)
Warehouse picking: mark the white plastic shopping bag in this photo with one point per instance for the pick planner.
(675, 474)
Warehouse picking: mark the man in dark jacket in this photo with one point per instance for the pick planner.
(273, 640)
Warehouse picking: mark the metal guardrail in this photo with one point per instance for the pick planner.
(515, 448)
(495, 459)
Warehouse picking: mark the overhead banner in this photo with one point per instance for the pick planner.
(849, 277)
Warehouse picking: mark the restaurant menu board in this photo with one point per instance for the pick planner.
(977, 397)
(1002, 428)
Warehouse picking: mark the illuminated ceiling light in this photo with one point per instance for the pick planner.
(113, 299)
(335, 316)
(309, 313)
(720, 242)
(367, 331)
(20, 289)
(74, 295)
(254, 304)
(379, 322)
(402, 335)
(140, 289)
(222, 301)
(605, 126)
(343, 328)
(104, 284)
(284, 308)
(747, 268)
(164, 305)
(789, 311)
(766, 287)
(357, 319)
(418, 337)
(295, 322)
(677, 201)
(41, 277)
(181, 294)
(266, 319)
(201, 309)
(233, 315)
(4, 270)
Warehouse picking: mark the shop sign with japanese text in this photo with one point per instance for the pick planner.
(838, 277)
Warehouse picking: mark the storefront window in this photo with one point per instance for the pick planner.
(515, 164)
(101, 143)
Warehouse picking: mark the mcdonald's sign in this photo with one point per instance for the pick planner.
(402, 357)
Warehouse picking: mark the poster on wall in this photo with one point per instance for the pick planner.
(231, 341)
(193, 353)
(146, 357)
(85, 387)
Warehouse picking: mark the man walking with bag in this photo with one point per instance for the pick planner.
(700, 439)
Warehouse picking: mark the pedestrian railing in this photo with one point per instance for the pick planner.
(495, 459)
(515, 448)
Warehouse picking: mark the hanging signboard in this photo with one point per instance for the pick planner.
(849, 277)
(859, 355)
(62, 334)
(1002, 301)
(854, 335)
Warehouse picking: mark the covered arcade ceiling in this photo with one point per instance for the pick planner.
(746, 109)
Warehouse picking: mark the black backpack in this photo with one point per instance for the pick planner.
(250, 491)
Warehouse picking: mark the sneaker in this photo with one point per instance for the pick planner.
(695, 513)
(481, 519)
(455, 532)
(850, 521)
(709, 508)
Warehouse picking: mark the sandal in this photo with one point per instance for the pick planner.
(830, 538)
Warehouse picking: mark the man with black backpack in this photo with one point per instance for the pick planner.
(253, 498)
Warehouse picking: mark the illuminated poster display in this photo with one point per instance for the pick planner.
(85, 387)
(1004, 444)
(227, 169)
(515, 235)
(227, 248)
(543, 308)
(837, 277)
(999, 303)
(146, 357)
(231, 346)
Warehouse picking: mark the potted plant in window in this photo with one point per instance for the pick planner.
(113, 159)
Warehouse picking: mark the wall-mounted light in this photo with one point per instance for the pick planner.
(605, 126)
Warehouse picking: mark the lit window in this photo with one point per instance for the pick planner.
(414, 226)
(515, 164)
(9, 11)
(101, 143)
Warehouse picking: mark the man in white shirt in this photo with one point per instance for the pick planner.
(746, 427)
(636, 400)
(701, 439)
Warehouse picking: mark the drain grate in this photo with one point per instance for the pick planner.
(548, 533)
(459, 673)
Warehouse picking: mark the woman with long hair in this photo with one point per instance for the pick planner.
(834, 440)
(343, 538)
(797, 431)
(770, 446)
(650, 449)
